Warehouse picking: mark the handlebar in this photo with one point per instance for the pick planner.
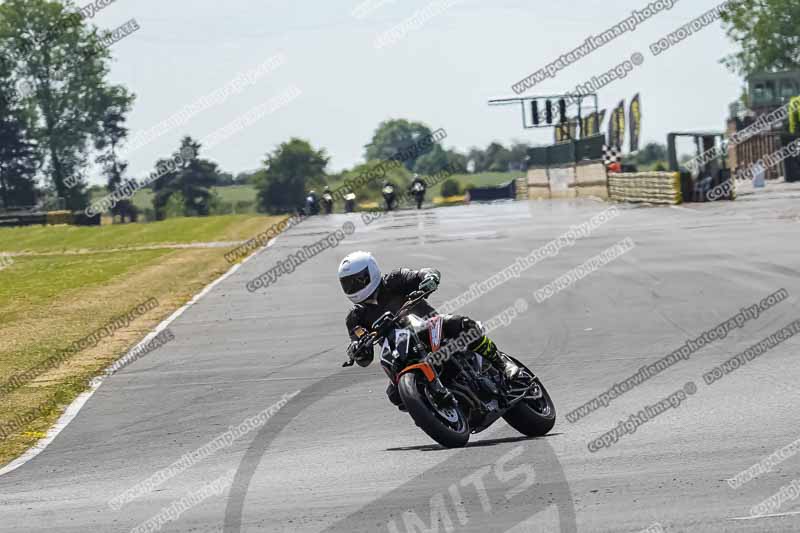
(413, 299)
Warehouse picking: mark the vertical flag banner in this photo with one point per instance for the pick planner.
(600, 118)
(616, 127)
(560, 133)
(573, 128)
(586, 125)
(612, 127)
(794, 113)
(590, 126)
(636, 122)
(619, 118)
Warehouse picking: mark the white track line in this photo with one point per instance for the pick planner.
(765, 516)
(77, 404)
(681, 208)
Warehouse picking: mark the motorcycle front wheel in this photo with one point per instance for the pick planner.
(447, 425)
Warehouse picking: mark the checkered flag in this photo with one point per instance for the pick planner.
(611, 154)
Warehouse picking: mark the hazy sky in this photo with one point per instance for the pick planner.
(441, 73)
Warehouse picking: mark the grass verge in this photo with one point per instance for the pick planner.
(72, 281)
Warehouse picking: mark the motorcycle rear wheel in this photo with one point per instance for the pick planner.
(449, 427)
(532, 417)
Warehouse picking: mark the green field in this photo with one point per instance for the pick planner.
(482, 179)
(179, 230)
(235, 194)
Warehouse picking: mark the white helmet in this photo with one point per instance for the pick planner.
(359, 275)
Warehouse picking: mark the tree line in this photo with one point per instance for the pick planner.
(59, 113)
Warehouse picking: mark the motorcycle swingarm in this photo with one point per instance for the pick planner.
(485, 415)
(520, 394)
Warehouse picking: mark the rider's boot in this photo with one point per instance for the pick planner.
(486, 348)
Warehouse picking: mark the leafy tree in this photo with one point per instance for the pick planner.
(196, 180)
(291, 169)
(112, 133)
(371, 176)
(498, 158)
(767, 33)
(225, 179)
(519, 156)
(188, 184)
(393, 136)
(18, 156)
(66, 64)
(651, 153)
(457, 162)
(165, 187)
(432, 162)
(479, 157)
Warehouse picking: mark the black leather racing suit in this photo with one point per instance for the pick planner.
(391, 294)
(418, 180)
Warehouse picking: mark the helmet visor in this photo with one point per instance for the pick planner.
(355, 282)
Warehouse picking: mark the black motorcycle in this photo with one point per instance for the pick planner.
(451, 397)
(389, 196)
(327, 203)
(349, 202)
(312, 205)
(418, 190)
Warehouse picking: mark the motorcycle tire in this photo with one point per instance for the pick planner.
(425, 415)
(533, 418)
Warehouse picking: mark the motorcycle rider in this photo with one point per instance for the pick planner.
(418, 179)
(389, 192)
(374, 294)
(419, 196)
(312, 203)
(327, 199)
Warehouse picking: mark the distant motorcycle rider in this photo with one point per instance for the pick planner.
(312, 203)
(418, 188)
(389, 192)
(418, 179)
(374, 294)
(327, 200)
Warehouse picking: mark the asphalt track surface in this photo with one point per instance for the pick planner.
(339, 458)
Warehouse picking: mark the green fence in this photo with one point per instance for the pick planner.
(566, 153)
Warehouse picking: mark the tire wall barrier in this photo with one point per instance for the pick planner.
(591, 179)
(59, 217)
(651, 187)
(587, 178)
(562, 181)
(44, 218)
(538, 184)
(522, 188)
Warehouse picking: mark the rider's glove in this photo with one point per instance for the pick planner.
(360, 352)
(354, 349)
(429, 284)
